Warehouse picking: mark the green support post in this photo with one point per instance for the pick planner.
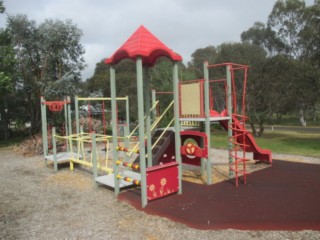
(148, 117)
(76, 109)
(54, 145)
(207, 120)
(114, 128)
(153, 97)
(142, 153)
(177, 123)
(127, 130)
(229, 107)
(94, 155)
(44, 129)
(66, 123)
(69, 116)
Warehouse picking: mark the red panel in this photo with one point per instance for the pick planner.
(194, 157)
(162, 180)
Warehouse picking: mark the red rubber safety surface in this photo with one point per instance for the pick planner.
(285, 196)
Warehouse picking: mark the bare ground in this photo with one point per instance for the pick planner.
(36, 203)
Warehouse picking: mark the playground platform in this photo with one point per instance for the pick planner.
(283, 197)
(62, 156)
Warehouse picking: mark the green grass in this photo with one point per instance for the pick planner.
(286, 142)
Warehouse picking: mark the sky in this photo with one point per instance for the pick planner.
(183, 25)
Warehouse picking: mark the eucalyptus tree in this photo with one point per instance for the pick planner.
(49, 58)
(261, 35)
(2, 7)
(287, 21)
(200, 55)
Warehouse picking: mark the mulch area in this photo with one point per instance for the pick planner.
(285, 196)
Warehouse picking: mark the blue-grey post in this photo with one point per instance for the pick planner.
(207, 119)
(114, 128)
(142, 153)
(177, 123)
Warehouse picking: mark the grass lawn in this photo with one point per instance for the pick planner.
(286, 142)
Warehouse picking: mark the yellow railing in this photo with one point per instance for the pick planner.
(153, 126)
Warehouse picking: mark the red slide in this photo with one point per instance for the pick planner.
(259, 154)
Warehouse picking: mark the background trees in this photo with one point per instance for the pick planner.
(47, 62)
(283, 55)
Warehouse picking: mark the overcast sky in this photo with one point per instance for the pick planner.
(183, 25)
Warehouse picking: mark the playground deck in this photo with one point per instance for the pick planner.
(283, 197)
(62, 156)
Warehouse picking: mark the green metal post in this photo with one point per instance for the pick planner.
(44, 129)
(54, 145)
(69, 122)
(207, 120)
(142, 153)
(114, 128)
(66, 123)
(177, 123)
(76, 108)
(94, 155)
(127, 130)
(148, 117)
(229, 106)
(153, 96)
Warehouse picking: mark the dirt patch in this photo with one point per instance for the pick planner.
(36, 203)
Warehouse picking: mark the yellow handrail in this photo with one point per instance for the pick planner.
(153, 126)
(151, 109)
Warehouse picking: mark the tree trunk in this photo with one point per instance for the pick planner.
(302, 117)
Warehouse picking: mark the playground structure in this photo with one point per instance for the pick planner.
(155, 162)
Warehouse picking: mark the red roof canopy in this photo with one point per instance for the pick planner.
(144, 44)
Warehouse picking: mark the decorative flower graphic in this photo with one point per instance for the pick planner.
(152, 187)
(163, 182)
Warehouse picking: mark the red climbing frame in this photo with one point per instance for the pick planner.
(238, 139)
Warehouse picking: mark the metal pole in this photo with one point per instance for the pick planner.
(66, 126)
(229, 108)
(54, 145)
(94, 155)
(153, 96)
(69, 122)
(127, 129)
(207, 120)
(44, 129)
(148, 118)
(114, 128)
(76, 108)
(177, 123)
(144, 200)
